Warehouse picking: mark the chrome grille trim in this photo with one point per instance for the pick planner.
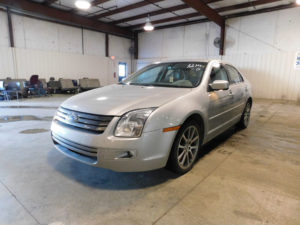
(75, 147)
(89, 122)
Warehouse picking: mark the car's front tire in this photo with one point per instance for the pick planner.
(185, 147)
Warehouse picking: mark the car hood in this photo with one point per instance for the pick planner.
(116, 99)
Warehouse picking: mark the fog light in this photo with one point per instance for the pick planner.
(125, 155)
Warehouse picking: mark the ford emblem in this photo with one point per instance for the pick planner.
(72, 117)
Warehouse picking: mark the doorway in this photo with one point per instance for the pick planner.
(122, 71)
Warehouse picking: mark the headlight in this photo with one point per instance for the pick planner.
(132, 123)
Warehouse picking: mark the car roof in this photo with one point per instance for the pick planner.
(191, 60)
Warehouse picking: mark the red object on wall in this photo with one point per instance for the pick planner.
(114, 74)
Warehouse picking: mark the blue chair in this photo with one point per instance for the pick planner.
(13, 89)
(3, 90)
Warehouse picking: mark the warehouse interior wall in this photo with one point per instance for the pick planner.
(54, 50)
(263, 47)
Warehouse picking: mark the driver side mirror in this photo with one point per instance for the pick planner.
(219, 85)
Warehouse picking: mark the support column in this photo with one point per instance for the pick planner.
(10, 29)
(136, 45)
(222, 39)
(106, 45)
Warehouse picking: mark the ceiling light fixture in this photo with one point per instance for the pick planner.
(148, 26)
(298, 2)
(82, 4)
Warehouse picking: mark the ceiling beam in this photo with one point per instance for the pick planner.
(57, 15)
(166, 20)
(211, 1)
(205, 10)
(153, 13)
(179, 24)
(49, 2)
(247, 13)
(98, 2)
(158, 12)
(221, 9)
(245, 5)
(264, 10)
(126, 8)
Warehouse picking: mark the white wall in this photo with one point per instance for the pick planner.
(55, 50)
(272, 75)
(194, 41)
(273, 32)
(262, 46)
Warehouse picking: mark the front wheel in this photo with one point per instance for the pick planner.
(244, 122)
(185, 148)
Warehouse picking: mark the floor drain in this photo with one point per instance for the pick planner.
(33, 131)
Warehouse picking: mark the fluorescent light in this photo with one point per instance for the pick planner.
(82, 4)
(298, 2)
(148, 26)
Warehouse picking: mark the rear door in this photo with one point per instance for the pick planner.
(220, 103)
(237, 87)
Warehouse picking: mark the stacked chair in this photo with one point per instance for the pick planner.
(53, 86)
(3, 93)
(10, 89)
(16, 88)
(37, 87)
(67, 85)
(86, 84)
(13, 89)
(22, 86)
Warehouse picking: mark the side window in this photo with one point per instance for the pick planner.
(218, 74)
(234, 75)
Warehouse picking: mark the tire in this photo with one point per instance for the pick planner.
(244, 122)
(185, 147)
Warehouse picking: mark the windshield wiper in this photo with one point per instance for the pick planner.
(140, 84)
(158, 85)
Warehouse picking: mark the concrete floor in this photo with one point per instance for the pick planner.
(244, 177)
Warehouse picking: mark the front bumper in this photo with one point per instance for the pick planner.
(148, 152)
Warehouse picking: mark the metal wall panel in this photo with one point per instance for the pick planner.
(272, 75)
(22, 63)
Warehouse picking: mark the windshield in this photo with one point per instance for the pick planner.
(177, 74)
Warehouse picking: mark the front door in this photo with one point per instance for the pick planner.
(220, 103)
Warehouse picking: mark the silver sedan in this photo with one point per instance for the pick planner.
(161, 115)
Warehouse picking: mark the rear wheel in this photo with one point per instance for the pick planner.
(244, 122)
(185, 148)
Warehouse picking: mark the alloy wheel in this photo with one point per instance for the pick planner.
(188, 147)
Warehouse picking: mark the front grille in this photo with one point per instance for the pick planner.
(75, 147)
(83, 121)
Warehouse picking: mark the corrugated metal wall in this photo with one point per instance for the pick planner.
(22, 63)
(262, 46)
(60, 51)
(272, 75)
